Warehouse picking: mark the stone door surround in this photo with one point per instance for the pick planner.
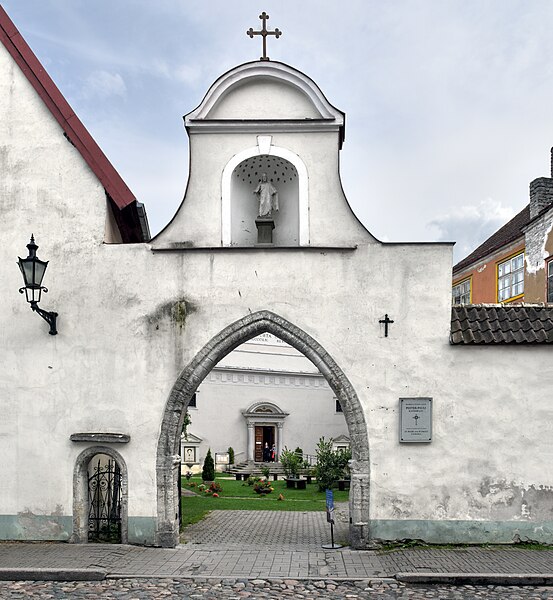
(167, 463)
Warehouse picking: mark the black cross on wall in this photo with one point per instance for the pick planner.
(387, 321)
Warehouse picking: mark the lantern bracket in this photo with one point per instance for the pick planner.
(49, 316)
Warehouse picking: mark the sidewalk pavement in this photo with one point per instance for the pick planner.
(264, 545)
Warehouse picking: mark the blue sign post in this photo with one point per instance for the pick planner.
(330, 519)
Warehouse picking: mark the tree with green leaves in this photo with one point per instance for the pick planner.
(208, 472)
(291, 463)
(332, 465)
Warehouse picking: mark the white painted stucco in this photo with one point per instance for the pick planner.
(133, 316)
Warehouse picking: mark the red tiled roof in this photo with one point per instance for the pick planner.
(499, 324)
(115, 187)
(507, 234)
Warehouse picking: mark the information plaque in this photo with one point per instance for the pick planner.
(222, 458)
(415, 420)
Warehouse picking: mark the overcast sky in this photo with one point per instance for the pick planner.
(449, 103)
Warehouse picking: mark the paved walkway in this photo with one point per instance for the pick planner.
(239, 529)
(276, 545)
(135, 561)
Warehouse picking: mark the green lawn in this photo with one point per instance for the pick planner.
(238, 496)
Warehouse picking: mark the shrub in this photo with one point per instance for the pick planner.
(344, 456)
(230, 455)
(262, 487)
(208, 472)
(331, 464)
(251, 480)
(299, 452)
(215, 488)
(266, 472)
(291, 463)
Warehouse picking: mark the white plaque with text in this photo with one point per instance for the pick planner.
(415, 420)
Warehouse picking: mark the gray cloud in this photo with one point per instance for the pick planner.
(471, 225)
(447, 103)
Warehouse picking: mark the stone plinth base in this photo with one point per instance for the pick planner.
(265, 226)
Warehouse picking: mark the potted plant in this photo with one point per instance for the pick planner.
(291, 463)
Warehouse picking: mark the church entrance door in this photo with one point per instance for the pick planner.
(264, 434)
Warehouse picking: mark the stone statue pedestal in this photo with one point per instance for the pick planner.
(265, 226)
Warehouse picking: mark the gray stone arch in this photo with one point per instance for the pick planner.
(167, 530)
(80, 493)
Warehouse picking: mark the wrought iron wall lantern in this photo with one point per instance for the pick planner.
(33, 269)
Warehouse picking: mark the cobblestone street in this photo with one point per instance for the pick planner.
(150, 589)
(228, 556)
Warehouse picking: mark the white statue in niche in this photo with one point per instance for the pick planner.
(268, 197)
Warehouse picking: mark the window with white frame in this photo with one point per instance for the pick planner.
(550, 281)
(460, 292)
(510, 278)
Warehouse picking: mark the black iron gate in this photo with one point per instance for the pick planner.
(104, 503)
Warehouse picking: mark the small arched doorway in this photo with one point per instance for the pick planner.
(100, 498)
(168, 459)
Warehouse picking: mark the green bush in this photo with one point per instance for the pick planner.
(331, 464)
(208, 472)
(215, 488)
(230, 455)
(344, 456)
(291, 463)
(263, 487)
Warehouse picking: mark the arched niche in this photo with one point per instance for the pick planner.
(240, 206)
(244, 203)
(81, 496)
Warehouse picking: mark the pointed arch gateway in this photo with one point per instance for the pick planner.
(167, 471)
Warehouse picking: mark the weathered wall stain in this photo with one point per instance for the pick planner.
(174, 312)
(42, 526)
(505, 499)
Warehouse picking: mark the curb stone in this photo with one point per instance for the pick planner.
(506, 579)
(246, 580)
(51, 574)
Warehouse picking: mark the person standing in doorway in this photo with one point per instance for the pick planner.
(266, 453)
(273, 453)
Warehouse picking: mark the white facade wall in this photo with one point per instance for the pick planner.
(133, 316)
(271, 372)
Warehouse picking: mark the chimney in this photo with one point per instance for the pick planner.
(541, 192)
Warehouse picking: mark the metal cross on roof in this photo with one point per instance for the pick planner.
(277, 33)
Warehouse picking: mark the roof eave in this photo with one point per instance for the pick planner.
(76, 132)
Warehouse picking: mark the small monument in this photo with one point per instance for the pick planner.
(268, 201)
